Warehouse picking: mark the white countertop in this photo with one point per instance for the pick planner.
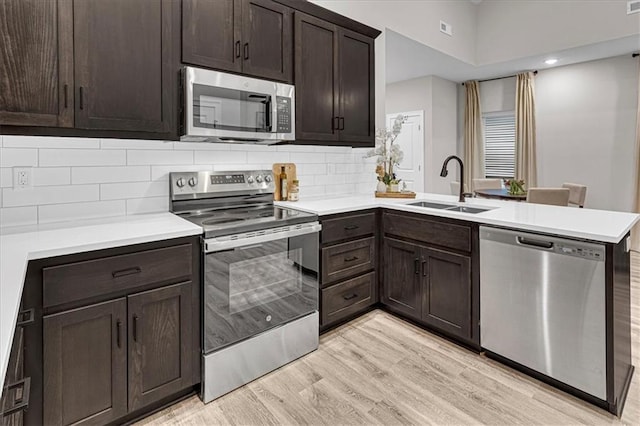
(21, 244)
(597, 225)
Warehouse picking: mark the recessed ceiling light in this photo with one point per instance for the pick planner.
(551, 61)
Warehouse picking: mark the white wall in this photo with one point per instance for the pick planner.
(507, 30)
(497, 95)
(77, 178)
(437, 98)
(586, 120)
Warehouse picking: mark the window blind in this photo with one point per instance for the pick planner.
(500, 145)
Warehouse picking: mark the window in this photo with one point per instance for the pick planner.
(499, 144)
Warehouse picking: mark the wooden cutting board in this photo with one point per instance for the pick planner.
(290, 170)
(395, 194)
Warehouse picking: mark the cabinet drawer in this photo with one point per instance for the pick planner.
(347, 227)
(83, 280)
(347, 298)
(347, 259)
(444, 234)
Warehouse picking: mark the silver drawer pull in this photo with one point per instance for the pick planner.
(353, 296)
(21, 401)
(350, 259)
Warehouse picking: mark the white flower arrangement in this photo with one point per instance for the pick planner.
(389, 155)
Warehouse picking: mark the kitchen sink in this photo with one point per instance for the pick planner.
(465, 209)
(450, 207)
(431, 205)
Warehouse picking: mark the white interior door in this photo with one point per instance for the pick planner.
(411, 140)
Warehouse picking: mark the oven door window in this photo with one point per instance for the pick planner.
(230, 109)
(254, 288)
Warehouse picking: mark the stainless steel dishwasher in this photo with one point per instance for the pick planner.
(542, 305)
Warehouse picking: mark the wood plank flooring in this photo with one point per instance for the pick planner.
(379, 369)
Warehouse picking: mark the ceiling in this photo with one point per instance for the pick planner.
(407, 58)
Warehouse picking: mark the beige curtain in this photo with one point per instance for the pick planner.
(526, 130)
(473, 134)
(635, 233)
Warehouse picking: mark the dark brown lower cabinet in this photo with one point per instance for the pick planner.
(85, 364)
(446, 286)
(401, 288)
(159, 343)
(429, 285)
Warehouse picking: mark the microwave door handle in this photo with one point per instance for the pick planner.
(268, 113)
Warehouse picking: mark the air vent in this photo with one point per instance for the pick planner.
(448, 29)
(633, 6)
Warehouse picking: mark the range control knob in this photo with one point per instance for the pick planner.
(180, 182)
(250, 179)
(259, 179)
(268, 178)
(193, 181)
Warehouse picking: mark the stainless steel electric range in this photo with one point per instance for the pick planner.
(260, 275)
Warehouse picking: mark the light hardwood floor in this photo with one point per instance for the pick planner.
(379, 369)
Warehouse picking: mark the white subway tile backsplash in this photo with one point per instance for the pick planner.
(18, 216)
(49, 195)
(304, 157)
(12, 157)
(72, 211)
(147, 205)
(88, 178)
(162, 172)
(152, 157)
(83, 175)
(121, 191)
(218, 157)
(82, 157)
(48, 176)
(135, 144)
(6, 177)
(49, 142)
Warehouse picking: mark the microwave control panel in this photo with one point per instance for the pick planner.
(283, 105)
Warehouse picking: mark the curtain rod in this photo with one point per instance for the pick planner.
(500, 78)
(635, 54)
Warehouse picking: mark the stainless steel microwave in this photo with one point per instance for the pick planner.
(221, 107)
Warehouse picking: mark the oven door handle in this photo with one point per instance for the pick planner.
(214, 244)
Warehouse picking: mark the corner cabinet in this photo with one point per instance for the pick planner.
(334, 70)
(115, 333)
(431, 273)
(252, 37)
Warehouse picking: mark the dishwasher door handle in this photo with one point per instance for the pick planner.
(547, 245)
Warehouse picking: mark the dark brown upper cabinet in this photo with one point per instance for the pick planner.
(252, 37)
(123, 54)
(36, 63)
(334, 74)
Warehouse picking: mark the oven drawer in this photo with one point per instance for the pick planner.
(348, 259)
(348, 227)
(83, 280)
(347, 298)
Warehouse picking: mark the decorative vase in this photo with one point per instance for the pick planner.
(381, 187)
(394, 187)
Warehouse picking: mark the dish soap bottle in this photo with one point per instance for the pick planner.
(283, 185)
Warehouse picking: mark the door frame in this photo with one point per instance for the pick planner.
(422, 146)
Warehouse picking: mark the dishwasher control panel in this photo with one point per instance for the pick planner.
(587, 253)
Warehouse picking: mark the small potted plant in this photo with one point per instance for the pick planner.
(515, 186)
(389, 155)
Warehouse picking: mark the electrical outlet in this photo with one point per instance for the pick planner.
(21, 177)
(446, 28)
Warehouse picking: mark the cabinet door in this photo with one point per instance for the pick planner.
(36, 63)
(316, 70)
(447, 292)
(211, 34)
(267, 33)
(401, 287)
(85, 364)
(123, 52)
(160, 343)
(357, 103)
